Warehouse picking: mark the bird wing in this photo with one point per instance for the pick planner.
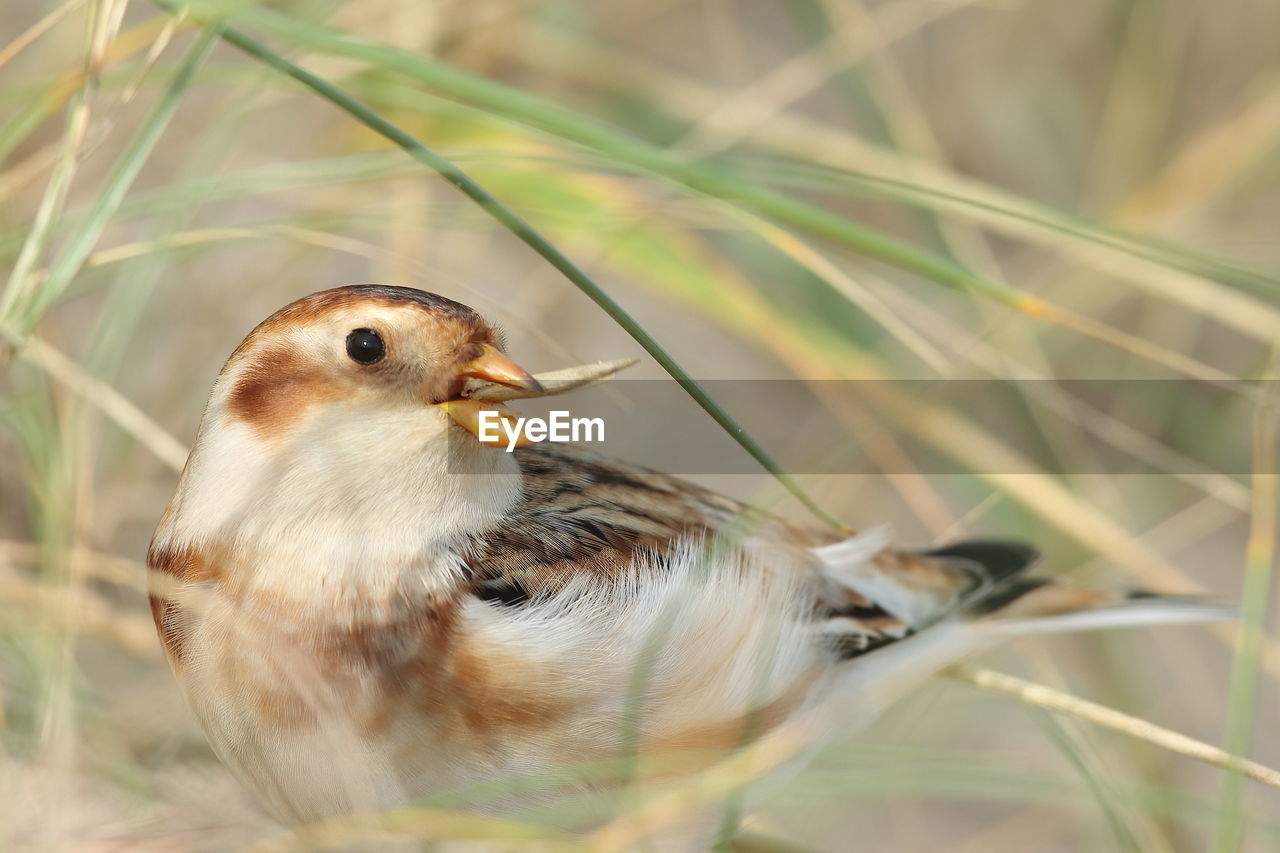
(583, 514)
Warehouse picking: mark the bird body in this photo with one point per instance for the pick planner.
(366, 605)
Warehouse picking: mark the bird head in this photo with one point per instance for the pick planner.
(339, 430)
(368, 352)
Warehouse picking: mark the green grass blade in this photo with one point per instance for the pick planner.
(1260, 564)
(1226, 271)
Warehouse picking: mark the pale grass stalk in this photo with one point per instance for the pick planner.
(911, 131)
(66, 264)
(1145, 349)
(490, 833)
(814, 261)
(20, 280)
(172, 24)
(1207, 166)
(896, 465)
(1024, 829)
(1040, 696)
(674, 804)
(201, 236)
(23, 172)
(995, 462)
(85, 612)
(1260, 565)
(106, 399)
(121, 47)
(962, 525)
(112, 568)
(306, 236)
(1141, 446)
(36, 30)
(1193, 523)
(751, 841)
(104, 23)
(757, 103)
(55, 712)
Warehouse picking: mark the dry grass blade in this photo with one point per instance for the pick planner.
(89, 613)
(758, 103)
(108, 567)
(1208, 166)
(673, 805)
(421, 824)
(1040, 696)
(69, 260)
(21, 283)
(1260, 565)
(553, 382)
(810, 140)
(106, 399)
(36, 30)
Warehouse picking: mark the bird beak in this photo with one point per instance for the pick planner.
(467, 414)
(491, 366)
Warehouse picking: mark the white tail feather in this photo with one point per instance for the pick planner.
(874, 681)
(1141, 612)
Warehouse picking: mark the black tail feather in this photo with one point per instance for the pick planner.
(997, 566)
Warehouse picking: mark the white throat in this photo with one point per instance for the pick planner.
(355, 502)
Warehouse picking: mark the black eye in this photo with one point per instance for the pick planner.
(365, 346)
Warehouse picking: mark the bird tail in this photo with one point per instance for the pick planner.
(999, 604)
(1004, 601)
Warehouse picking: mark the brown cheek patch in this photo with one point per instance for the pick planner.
(276, 389)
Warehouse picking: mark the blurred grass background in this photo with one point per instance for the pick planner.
(814, 189)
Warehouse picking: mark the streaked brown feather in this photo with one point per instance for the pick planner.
(580, 513)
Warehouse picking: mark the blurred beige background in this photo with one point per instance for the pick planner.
(1023, 139)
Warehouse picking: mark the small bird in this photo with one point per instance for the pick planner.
(366, 605)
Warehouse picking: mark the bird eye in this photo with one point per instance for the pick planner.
(365, 346)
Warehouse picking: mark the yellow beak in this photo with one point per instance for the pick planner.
(491, 423)
(498, 427)
(493, 366)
